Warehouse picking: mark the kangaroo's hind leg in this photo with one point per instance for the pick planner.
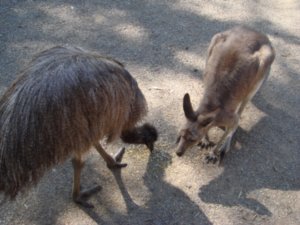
(223, 145)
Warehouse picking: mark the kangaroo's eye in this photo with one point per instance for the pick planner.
(191, 136)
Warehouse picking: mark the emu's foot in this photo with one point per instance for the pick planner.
(116, 163)
(83, 196)
(205, 143)
(211, 158)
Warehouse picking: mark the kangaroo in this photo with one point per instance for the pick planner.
(62, 104)
(237, 64)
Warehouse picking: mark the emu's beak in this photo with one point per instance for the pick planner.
(150, 146)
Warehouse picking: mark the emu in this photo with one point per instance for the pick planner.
(63, 103)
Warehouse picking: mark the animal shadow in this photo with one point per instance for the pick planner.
(268, 159)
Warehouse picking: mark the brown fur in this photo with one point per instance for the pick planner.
(61, 105)
(238, 62)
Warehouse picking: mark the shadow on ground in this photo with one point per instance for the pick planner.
(166, 205)
(268, 159)
(163, 203)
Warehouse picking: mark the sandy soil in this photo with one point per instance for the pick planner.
(163, 44)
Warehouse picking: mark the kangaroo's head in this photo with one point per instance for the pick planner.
(196, 127)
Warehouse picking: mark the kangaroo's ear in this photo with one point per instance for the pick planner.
(188, 108)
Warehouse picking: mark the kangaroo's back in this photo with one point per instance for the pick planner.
(237, 64)
(238, 61)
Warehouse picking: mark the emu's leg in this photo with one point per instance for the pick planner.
(111, 162)
(80, 197)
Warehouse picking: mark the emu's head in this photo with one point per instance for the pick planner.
(145, 134)
(195, 129)
(150, 135)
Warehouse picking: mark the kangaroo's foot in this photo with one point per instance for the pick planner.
(211, 158)
(206, 143)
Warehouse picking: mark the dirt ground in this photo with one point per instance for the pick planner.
(163, 44)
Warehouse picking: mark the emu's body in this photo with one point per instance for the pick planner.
(238, 62)
(61, 105)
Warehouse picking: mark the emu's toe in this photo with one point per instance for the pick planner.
(81, 199)
(117, 160)
(119, 155)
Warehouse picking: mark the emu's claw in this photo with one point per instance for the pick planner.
(85, 194)
(119, 155)
(117, 160)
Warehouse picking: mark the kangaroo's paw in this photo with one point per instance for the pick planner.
(206, 143)
(211, 158)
